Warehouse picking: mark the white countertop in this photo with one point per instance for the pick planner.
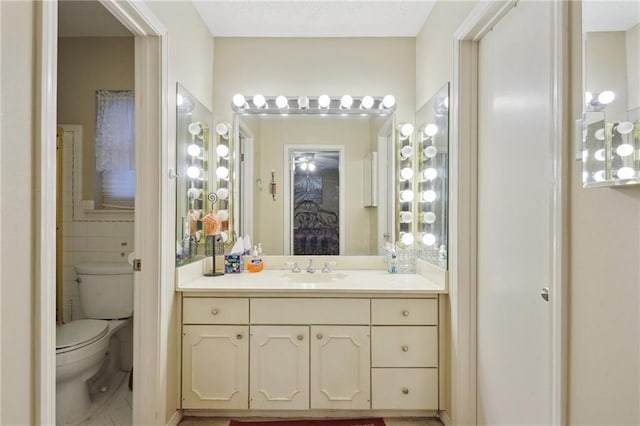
(339, 281)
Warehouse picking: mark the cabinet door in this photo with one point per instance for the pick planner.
(279, 367)
(340, 361)
(215, 361)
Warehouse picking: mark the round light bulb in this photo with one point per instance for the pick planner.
(406, 196)
(367, 102)
(222, 151)
(406, 238)
(346, 102)
(606, 97)
(179, 100)
(222, 193)
(430, 151)
(193, 172)
(428, 217)
(303, 102)
(223, 215)
(238, 100)
(588, 97)
(624, 150)
(429, 196)
(429, 239)
(406, 152)
(259, 101)
(626, 172)
(406, 217)
(194, 128)
(282, 102)
(324, 101)
(625, 127)
(599, 176)
(406, 173)
(599, 134)
(222, 172)
(193, 150)
(430, 173)
(222, 129)
(599, 154)
(406, 130)
(388, 101)
(430, 129)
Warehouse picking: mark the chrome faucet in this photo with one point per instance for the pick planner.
(326, 269)
(295, 268)
(311, 269)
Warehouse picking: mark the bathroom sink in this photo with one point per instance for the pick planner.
(317, 277)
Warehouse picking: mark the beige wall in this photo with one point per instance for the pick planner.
(86, 64)
(604, 291)
(190, 64)
(632, 43)
(17, 216)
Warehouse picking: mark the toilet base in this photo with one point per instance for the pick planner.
(72, 402)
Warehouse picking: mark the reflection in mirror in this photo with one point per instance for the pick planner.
(310, 184)
(433, 179)
(192, 186)
(611, 126)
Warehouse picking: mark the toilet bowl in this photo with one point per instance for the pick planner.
(106, 297)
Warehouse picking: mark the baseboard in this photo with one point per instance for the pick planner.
(304, 414)
(444, 418)
(175, 419)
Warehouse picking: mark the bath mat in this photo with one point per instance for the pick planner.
(312, 422)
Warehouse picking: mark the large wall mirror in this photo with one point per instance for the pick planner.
(611, 119)
(314, 180)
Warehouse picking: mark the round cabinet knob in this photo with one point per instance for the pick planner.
(405, 391)
(300, 337)
(405, 348)
(214, 311)
(319, 336)
(405, 313)
(239, 336)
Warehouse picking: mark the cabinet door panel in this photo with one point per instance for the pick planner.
(214, 366)
(279, 367)
(340, 361)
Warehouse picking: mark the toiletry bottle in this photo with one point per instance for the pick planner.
(255, 264)
(393, 262)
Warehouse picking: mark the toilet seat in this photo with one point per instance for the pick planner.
(79, 333)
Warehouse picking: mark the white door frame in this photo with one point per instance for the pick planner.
(151, 284)
(463, 210)
(386, 191)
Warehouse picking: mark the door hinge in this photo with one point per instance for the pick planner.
(137, 265)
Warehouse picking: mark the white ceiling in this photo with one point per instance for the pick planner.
(78, 18)
(610, 15)
(314, 18)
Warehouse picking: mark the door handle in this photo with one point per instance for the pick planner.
(545, 293)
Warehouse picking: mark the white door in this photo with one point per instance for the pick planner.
(279, 367)
(515, 177)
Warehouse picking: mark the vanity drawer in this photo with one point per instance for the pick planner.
(310, 311)
(404, 311)
(215, 310)
(404, 388)
(404, 346)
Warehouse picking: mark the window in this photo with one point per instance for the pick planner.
(115, 150)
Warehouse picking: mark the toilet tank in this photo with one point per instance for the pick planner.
(106, 290)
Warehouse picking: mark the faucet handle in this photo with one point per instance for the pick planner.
(326, 268)
(295, 268)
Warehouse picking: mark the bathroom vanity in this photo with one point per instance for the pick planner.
(276, 343)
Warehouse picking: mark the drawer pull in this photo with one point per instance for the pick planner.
(405, 313)
(214, 311)
(405, 348)
(239, 336)
(319, 336)
(405, 391)
(300, 337)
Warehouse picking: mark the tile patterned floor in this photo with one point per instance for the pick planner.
(413, 421)
(116, 411)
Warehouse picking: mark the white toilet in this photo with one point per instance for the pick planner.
(106, 298)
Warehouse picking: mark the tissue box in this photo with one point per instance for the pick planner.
(232, 263)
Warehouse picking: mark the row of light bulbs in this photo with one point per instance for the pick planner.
(346, 102)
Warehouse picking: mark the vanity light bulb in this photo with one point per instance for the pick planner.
(430, 174)
(430, 129)
(606, 97)
(625, 127)
(406, 238)
(222, 172)
(626, 172)
(282, 102)
(193, 172)
(193, 150)
(406, 196)
(429, 239)
(599, 154)
(406, 130)
(222, 129)
(324, 101)
(179, 100)
(238, 100)
(599, 176)
(624, 150)
(430, 151)
(388, 101)
(406, 173)
(588, 97)
(346, 102)
(303, 102)
(367, 102)
(259, 101)
(222, 151)
(428, 196)
(599, 134)
(428, 217)
(585, 176)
